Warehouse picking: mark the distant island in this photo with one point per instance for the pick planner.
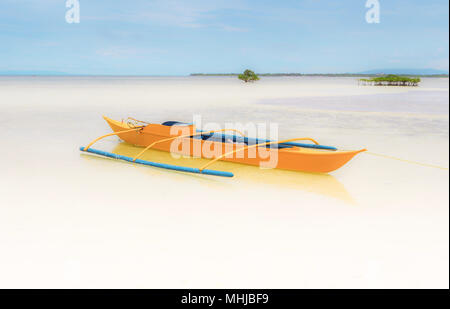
(407, 72)
(427, 72)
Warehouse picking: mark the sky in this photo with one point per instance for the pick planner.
(174, 37)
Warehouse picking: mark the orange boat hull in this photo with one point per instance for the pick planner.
(294, 158)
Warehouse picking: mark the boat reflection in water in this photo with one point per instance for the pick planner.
(322, 184)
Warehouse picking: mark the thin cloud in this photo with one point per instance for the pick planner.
(176, 13)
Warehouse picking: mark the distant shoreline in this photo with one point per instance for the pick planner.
(317, 74)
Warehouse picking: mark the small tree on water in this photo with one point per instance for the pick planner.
(248, 76)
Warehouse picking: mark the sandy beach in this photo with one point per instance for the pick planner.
(72, 220)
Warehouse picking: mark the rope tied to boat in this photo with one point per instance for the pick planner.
(407, 161)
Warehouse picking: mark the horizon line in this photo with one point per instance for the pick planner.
(212, 74)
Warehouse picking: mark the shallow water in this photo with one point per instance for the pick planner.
(69, 219)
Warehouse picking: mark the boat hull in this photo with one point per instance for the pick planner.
(294, 158)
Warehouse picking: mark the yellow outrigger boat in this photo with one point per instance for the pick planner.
(291, 155)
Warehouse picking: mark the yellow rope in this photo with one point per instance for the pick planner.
(181, 136)
(106, 135)
(137, 120)
(407, 161)
(256, 145)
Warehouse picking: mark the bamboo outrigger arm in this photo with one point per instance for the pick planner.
(109, 134)
(181, 136)
(256, 145)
